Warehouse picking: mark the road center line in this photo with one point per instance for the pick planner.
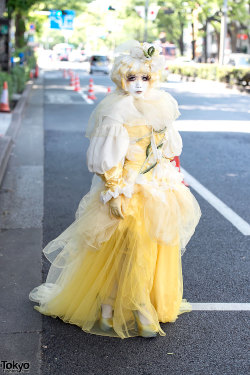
(221, 207)
(220, 306)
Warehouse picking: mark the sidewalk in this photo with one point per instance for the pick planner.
(21, 214)
(9, 127)
(5, 120)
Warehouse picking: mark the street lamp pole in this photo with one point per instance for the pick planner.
(146, 21)
(223, 33)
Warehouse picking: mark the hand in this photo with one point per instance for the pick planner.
(117, 207)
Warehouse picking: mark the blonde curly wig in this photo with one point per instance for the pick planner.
(125, 65)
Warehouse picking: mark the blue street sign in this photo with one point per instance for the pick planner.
(62, 19)
(55, 19)
(68, 18)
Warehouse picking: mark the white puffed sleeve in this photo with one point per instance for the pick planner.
(108, 146)
(173, 143)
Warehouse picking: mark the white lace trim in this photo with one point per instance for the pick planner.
(127, 190)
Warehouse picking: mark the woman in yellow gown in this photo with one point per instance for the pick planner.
(116, 270)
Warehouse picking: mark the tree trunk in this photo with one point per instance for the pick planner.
(233, 31)
(218, 43)
(205, 42)
(20, 29)
(180, 40)
(193, 43)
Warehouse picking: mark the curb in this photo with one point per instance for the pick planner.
(8, 140)
(6, 144)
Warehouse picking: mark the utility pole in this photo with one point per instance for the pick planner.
(223, 33)
(146, 21)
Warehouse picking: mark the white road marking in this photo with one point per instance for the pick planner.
(213, 126)
(220, 306)
(65, 98)
(58, 98)
(87, 100)
(221, 207)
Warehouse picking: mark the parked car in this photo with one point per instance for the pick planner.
(62, 51)
(99, 63)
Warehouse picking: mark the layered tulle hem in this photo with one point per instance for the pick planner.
(130, 332)
(130, 272)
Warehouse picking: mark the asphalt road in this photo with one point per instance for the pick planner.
(214, 265)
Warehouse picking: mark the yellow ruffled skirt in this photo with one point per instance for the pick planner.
(127, 268)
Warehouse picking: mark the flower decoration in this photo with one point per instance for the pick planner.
(137, 52)
(149, 52)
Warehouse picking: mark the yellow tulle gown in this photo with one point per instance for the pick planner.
(132, 264)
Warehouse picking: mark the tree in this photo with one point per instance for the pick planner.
(17, 8)
(172, 19)
(239, 20)
(20, 10)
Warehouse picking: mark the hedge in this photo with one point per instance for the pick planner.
(18, 75)
(215, 72)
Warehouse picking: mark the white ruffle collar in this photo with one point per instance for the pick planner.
(157, 109)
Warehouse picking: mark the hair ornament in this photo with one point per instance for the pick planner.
(148, 53)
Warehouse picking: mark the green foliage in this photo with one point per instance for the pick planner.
(77, 5)
(172, 24)
(19, 74)
(16, 80)
(19, 5)
(29, 57)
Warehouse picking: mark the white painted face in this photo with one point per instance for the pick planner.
(137, 84)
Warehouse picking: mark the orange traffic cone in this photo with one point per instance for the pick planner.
(72, 79)
(77, 84)
(91, 94)
(31, 74)
(36, 71)
(109, 90)
(4, 105)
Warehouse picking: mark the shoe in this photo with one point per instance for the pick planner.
(105, 324)
(144, 330)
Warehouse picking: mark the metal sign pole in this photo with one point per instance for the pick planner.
(223, 33)
(146, 21)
